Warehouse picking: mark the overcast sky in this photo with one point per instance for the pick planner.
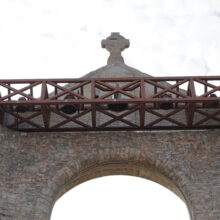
(62, 39)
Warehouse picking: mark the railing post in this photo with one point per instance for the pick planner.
(44, 108)
(93, 106)
(1, 113)
(1, 116)
(190, 110)
(142, 105)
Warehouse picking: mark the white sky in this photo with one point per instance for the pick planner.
(61, 39)
(120, 198)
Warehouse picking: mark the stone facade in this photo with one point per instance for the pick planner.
(38, 168)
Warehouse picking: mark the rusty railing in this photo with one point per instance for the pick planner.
(110, 103)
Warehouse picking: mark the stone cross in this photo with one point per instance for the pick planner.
(115, 44)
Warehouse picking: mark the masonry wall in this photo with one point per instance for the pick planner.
(37, 168)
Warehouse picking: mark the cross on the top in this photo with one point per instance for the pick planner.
(115, 44)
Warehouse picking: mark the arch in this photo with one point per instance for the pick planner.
(119, 168)
(122, 196)
(67, 177)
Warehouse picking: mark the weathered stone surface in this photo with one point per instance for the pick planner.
(36, 169)
(115, 44)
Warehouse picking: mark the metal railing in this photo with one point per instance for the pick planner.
(110, 103)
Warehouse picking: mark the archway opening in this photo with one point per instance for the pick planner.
(120, 197)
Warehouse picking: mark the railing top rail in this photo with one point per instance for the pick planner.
(115, 79)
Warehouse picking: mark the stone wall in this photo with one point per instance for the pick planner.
(37, 168)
